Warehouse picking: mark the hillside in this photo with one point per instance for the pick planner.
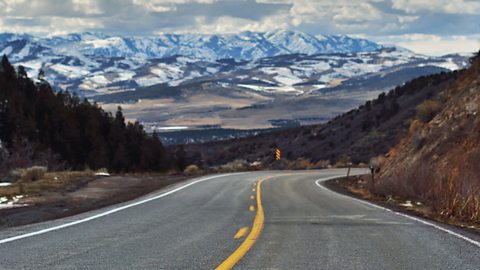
(358, 135)
(437, 162)
(41, 127)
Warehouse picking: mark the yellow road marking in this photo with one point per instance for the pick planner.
(241, 233)
(251, 237)
(252, 197)
(251, 208)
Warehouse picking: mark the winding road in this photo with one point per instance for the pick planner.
(255, 220)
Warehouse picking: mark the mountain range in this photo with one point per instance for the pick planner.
(243, 46)
(196, 80)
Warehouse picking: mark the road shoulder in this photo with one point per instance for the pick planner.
(355, 188)
(96, 193)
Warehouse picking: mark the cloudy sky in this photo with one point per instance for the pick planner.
(425, 26)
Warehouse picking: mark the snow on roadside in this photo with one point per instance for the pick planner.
(11, 203)
(102, 174)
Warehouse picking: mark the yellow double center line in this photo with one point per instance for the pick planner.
(251, 237)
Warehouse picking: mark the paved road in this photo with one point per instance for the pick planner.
(304, 227)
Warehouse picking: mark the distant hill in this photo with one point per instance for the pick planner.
(438, 160)
(357, 135)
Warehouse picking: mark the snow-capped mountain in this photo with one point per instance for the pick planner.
(95, 63)
(243, 46)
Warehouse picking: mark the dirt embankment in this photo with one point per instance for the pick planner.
(88, 194)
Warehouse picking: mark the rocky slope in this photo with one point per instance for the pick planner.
(438, 161)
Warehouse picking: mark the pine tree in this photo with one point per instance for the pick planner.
(7, 68)
(81, 133)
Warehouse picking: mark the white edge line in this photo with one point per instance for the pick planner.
(21, 236)
(463, 237)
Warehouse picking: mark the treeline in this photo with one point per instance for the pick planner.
(57, 127)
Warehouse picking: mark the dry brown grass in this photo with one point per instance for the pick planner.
(415, 126)
(449, 183)
(191, 170)
(438, 162)
(427, 110)
(52, 181)
(28, 174)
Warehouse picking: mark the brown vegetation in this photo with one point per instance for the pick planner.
(35, 180)
(439, 160)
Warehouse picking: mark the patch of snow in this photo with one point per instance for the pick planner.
(167, 72)
(192, 75)
(6, 203)
(242, 77)
(407, 204)
(447, 65)
(252, 87)
(185, 60)
(283, 75)
(32, 67)
(24, 52)
(124, 76)
(103, 43)
(212, 70)
(99, 80)
(70, 71)
(272, 89)
(148, 80)
(6, 51)
(287, 80)
(5, 184)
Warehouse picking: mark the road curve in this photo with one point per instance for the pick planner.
(201, 225)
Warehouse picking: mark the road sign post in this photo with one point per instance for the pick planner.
(349, 167)
(277, 154)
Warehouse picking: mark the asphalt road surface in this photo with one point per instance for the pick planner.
(260, 220)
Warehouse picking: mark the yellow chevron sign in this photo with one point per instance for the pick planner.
(277, 154)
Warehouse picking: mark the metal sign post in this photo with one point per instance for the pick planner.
(349, 167)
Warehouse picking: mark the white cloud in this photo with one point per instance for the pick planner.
(59, 25)
(228, 25)
(310, 11)
(343, 16)
(446, 6)
(407, 19)
(433, 44)
(55, 26)
(89, 7)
